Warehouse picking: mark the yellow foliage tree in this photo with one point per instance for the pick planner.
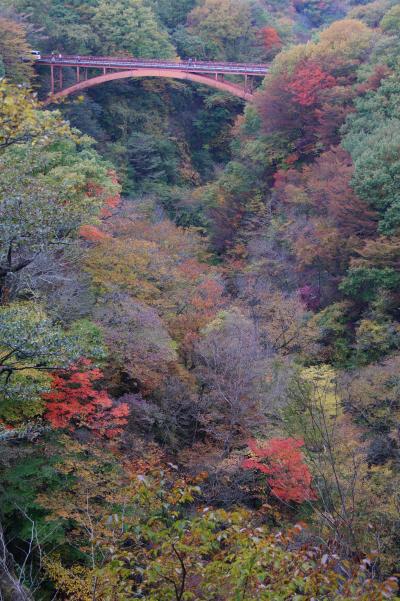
(15, 52)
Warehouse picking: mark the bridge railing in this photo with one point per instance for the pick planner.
(123, 61)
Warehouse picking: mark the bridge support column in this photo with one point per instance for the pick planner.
(78, 75)
(248, 84)
(52, 79)
(61, 79)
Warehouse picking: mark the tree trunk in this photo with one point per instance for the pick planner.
(11, 589)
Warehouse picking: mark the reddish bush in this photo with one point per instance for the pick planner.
(73, 402)
(283, 462)
(91, 233)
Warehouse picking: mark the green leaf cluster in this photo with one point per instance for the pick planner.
(31, 345)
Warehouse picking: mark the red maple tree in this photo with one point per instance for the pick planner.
(74, 402)
(283, 462)
(307, 82)
(270, 38)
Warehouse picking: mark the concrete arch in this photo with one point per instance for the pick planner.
(224, 86)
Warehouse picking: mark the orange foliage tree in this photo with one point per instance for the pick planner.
(283, 462)
(92, 233)
(270, 38)
(327, 221)
(205, 299)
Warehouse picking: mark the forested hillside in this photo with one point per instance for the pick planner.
(199, 306)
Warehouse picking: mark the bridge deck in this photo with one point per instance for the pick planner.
(192, 66)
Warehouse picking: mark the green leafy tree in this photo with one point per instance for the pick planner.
(391, 21)
(373, 140)
(375, 339)
(151, 159)
(30, 346)
(364, 284)
(61, 184)
(172, 12)
(130, 26)
(66, 26)
(225, 26)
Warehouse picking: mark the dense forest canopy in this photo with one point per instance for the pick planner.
(199, 306)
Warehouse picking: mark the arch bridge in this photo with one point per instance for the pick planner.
(87, 70)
